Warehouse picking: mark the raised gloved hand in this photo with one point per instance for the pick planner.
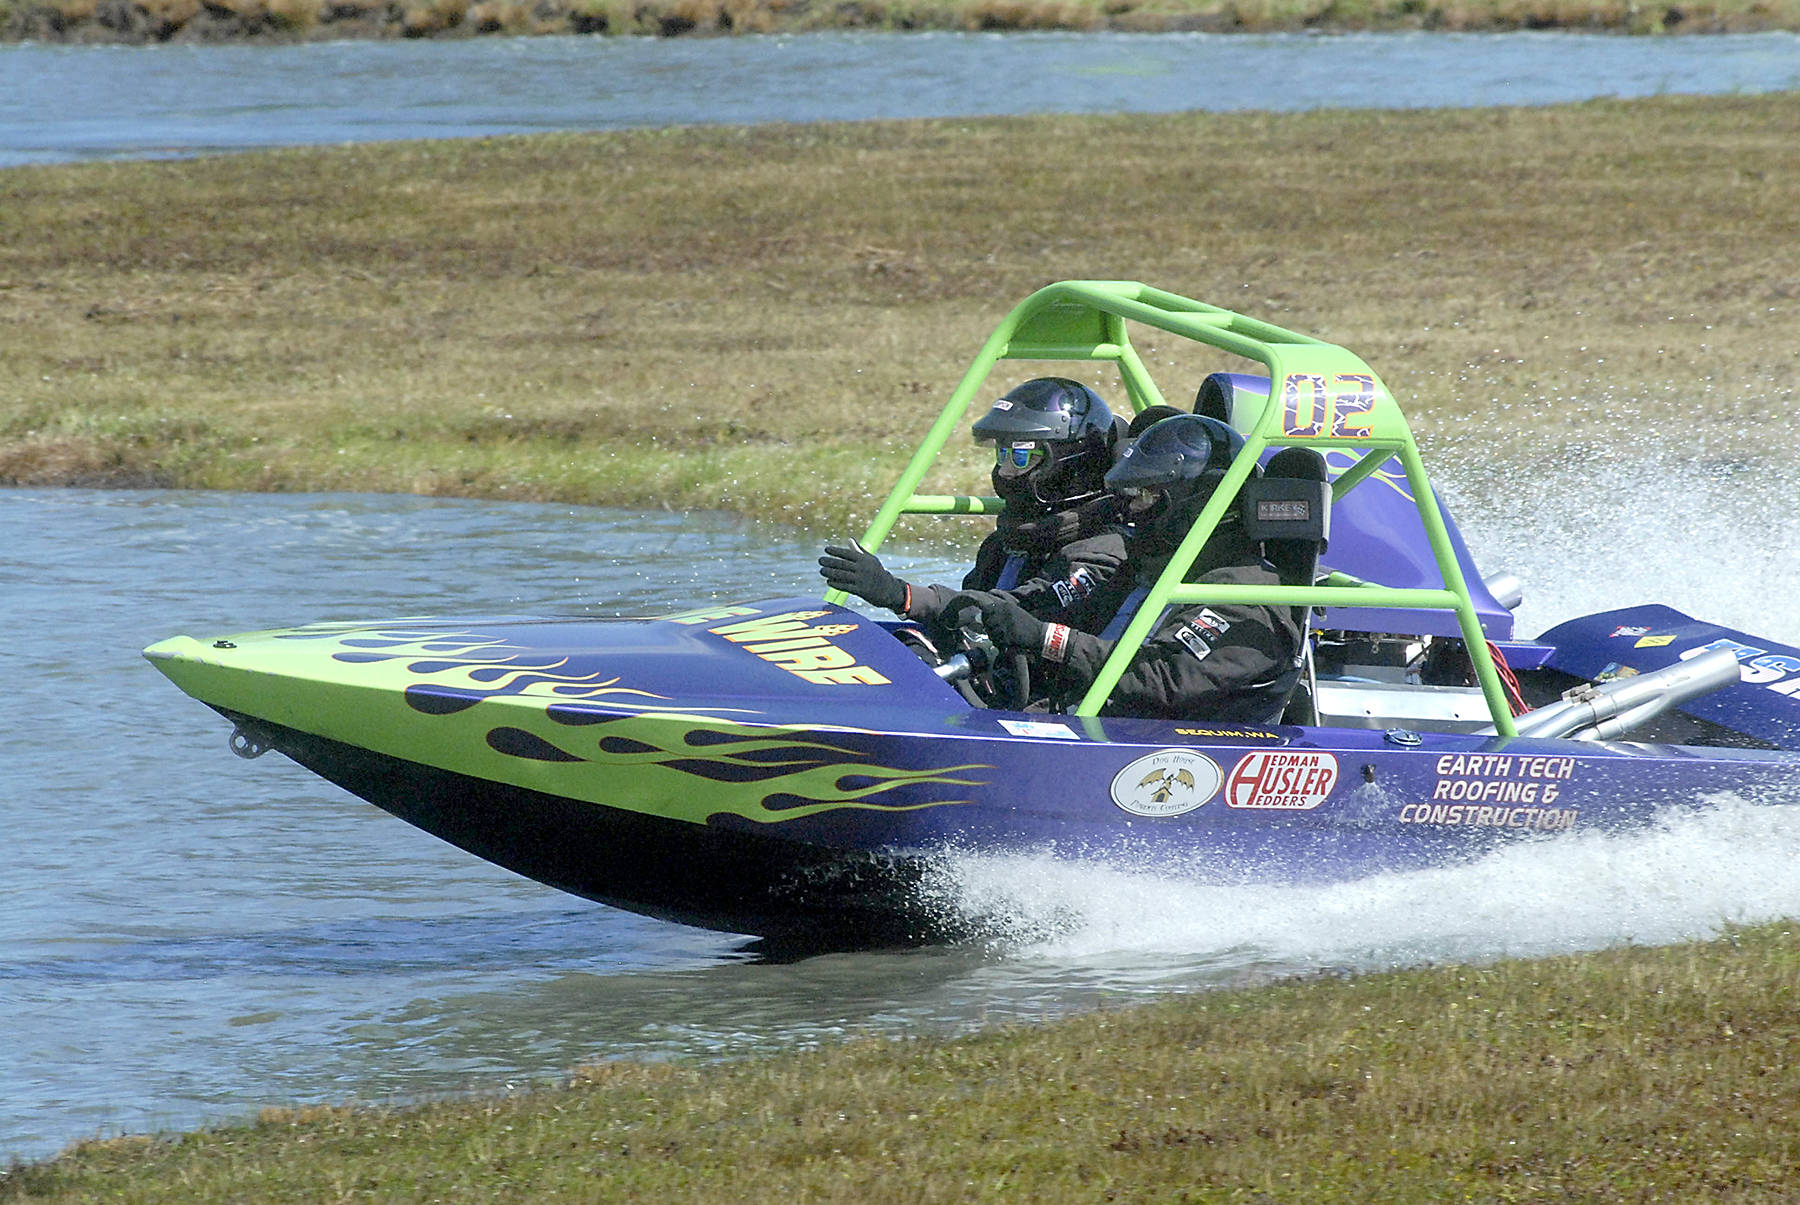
(856, 570)
(1008, 625)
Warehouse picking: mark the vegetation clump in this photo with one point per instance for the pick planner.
(141, 21)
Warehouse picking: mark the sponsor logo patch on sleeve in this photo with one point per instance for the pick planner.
(1200, 641)
(1210, 620)
(1077, 586)
(1194, 643)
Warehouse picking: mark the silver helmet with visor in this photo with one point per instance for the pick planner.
(1052, 442)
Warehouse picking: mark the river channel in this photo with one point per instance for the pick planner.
(60, 103)
(186, 936)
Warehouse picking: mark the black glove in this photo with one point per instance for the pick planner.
(856, 570)
(1008, 625)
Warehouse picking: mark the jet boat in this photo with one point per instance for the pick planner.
(791, 767)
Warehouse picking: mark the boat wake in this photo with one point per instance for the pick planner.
(1731, 861)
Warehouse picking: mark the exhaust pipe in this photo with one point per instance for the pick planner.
(1507, 590)
(1604, 711)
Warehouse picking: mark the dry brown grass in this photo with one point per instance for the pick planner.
(1030, 14)
(160, 20)
(749, 317)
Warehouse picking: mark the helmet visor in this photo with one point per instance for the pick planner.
(1015, 459)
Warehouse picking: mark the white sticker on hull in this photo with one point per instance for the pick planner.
(1039, 728)
(1167, 783)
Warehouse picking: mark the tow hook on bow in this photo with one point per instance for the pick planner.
(245, 745)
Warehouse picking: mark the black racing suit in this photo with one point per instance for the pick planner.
(1231, 661)
(1068, 558)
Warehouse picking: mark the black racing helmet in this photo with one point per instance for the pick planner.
(1053, 442)
(1170, 472)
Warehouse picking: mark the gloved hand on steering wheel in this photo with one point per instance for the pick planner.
(1009, 626)
(856, 570)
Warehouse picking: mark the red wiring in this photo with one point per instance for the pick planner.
(1515, 698)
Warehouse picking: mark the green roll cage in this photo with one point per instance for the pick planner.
(1320, 395)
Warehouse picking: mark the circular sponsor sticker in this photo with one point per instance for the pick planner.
(1167, 783)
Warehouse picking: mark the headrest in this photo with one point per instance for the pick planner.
(1234, 398)
(1148, 417)
(1291, 501)
(1214, 398)
(1304, 463)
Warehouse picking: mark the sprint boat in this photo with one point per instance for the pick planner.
(790, 768)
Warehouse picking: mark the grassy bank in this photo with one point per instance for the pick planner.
(141, 21)
(764, 319)
(1633, 1075)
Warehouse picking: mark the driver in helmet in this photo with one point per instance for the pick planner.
(1055, 545)
(1222, 661)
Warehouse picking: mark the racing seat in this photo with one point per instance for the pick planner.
(1121, 431)
(1142, 421)
(1288, 509)
(1228, 397)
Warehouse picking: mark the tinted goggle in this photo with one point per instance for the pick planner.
(1017, 459)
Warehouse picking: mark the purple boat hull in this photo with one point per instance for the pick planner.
(850, 813)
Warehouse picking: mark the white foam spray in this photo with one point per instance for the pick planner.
(1622, 526)
(1732, 861)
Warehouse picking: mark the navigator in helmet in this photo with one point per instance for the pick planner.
(1057, 542)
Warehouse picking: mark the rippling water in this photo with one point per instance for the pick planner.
(185, 936)
(92, 102)
(184, 933)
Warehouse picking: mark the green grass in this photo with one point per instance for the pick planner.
(1632, 1075)
(766, 319)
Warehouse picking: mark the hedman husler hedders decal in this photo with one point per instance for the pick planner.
(1281, 780)
(1167, 783)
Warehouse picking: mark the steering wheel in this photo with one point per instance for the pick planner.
(1021, 682)
(1012, 690)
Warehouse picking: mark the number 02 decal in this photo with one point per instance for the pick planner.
(1341, 406)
